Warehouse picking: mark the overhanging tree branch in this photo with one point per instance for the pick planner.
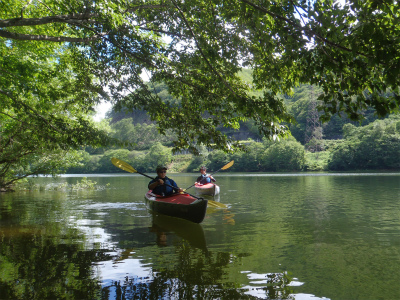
(20, 22)
(60, 39)
(71, 18)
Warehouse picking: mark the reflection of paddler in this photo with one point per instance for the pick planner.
(192, 232)
(161, 235)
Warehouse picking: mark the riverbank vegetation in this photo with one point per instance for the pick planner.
(375, 146)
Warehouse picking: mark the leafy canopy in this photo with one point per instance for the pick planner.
(72, 53)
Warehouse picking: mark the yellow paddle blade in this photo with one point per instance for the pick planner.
(122, 165)
(228, 165)
(216, 204)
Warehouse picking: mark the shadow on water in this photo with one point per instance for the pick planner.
(163, 225)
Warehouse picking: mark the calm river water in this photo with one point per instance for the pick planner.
(279, 236)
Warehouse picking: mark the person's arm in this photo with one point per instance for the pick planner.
(156, 183)
(212, 179)
(176, 189)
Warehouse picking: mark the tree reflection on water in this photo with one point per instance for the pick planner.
(196, 276)
(192, 272)
(195, 282)
(35, 264)
(50, 260)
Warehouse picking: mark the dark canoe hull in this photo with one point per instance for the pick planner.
(181, 206)
(207, 189)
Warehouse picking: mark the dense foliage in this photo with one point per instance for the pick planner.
(139, 136)
(375, 146)
(299, 103)
(142, 161)
(40, 123)
(284, 155)
(58, 60)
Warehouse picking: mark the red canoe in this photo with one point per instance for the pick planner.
(182, 206)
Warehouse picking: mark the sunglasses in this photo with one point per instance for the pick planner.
(162, 172)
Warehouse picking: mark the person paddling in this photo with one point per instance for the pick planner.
(204, 177)
(162, 185)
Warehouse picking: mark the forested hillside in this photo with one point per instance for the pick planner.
(340, 144)
(375, 146)
(302, 104)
